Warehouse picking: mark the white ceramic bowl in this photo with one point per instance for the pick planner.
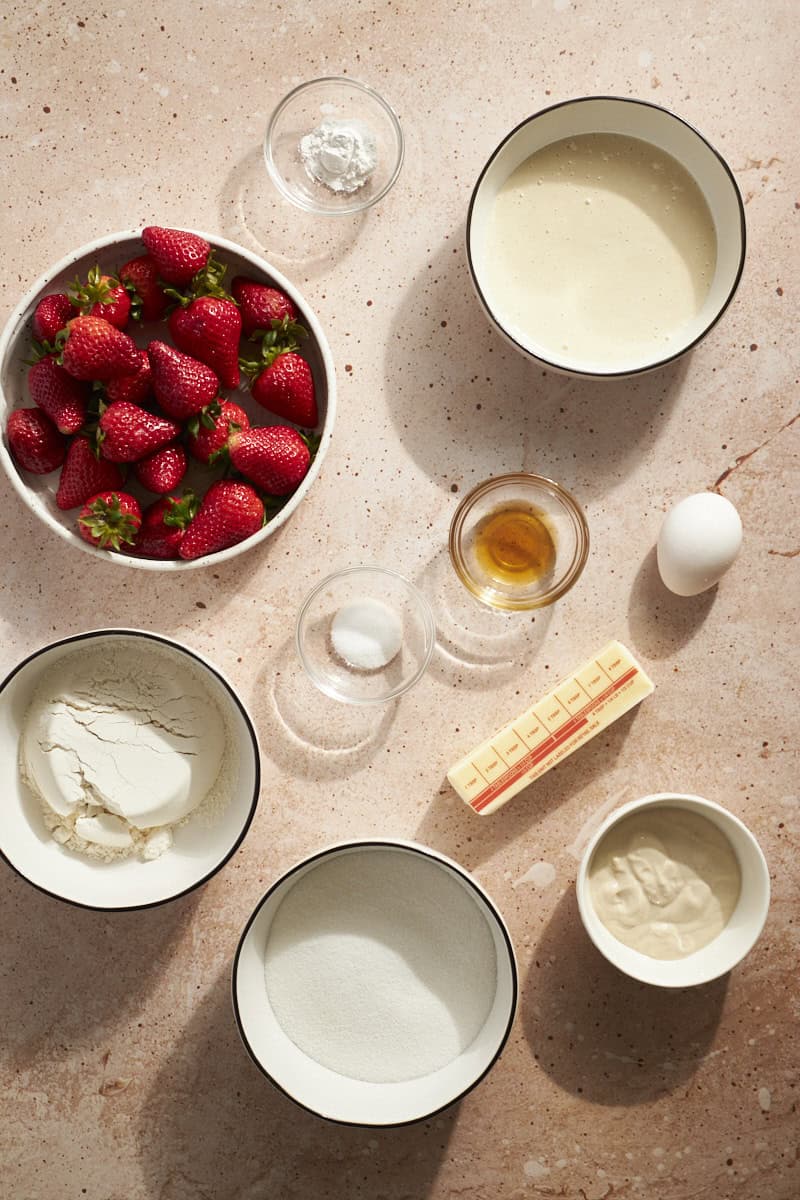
(111, 252)
(649, 123)
(736, 939)
(328, 1093)
(199, 849)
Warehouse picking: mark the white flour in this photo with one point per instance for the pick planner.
(122, 743)
(340, 154)
(380, 966)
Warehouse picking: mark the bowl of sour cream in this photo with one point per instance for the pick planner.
(605, 237)
(673, 890)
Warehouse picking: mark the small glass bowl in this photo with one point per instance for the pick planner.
(300, 112)
(331, 673)
(557, 510)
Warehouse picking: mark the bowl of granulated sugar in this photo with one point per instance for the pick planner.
(375, 983)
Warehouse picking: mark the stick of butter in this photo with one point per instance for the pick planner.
(583, 704)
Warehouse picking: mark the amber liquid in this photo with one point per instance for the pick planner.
(513, 545)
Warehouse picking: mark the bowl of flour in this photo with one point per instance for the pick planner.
(375, 983)
(132, 769)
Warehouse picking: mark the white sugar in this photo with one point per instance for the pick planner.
(380, 965)
(366, 634)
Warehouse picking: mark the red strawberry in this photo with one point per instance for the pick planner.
(274, 457)
(102, 296)
(130, 433)
(178, 255)
(140, 277)
(51, 315)
(260, 305)
(209, 329)
(162, 470)
(84, 474)
(229, 513)
(34, 441)
(135, 388)
(163, 525)
(182, 384)
(94, 349)
(63, 398)
(110, 520)
(286, 388)
(212, 436)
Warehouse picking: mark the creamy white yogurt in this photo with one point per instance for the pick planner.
(664, 881)
(600, 248)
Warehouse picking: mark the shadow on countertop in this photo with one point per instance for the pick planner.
(307, 733)
(451, 827)
(487, 409)
(660, 622)
(255, 214)
(74, 970)
(213, 1126)
(602, 1035)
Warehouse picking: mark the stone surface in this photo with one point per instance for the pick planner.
(123, 1075)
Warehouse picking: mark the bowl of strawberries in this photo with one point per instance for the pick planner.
(167, 398)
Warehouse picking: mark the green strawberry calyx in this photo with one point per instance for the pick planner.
(182, 511)
(206, 417)
(284, 335)
(39, 350)
(98, 289)
(106, 522)
(136, 299)
(207, 282)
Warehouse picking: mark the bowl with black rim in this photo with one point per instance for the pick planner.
(385, 1098)
(565, 293)
(199, 848)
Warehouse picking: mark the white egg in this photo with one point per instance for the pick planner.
(699, 540)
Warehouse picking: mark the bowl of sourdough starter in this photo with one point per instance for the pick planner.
(673, 890)
(132, 769)
(375, 983)
(605, 237)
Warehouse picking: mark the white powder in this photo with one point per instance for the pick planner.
(122, 743)
(366, 634)
(340, 154)
(380, 966)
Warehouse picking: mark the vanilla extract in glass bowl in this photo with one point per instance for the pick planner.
(518, 541)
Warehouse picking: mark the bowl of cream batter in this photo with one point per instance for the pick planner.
(673, 890)
(605, 237)
(132, 769)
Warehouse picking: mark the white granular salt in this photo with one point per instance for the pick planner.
(366, 634)
(380, 965)
(340, 154)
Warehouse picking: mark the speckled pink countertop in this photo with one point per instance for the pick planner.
(123, 1074)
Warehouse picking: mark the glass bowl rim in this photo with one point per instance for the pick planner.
(277, 176)
(540, 483)
(422, 606)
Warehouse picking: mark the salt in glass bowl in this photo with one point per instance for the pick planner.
(302, 111)
(341, 1098)
(730, 946)
(560, 513)
(331, 673)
